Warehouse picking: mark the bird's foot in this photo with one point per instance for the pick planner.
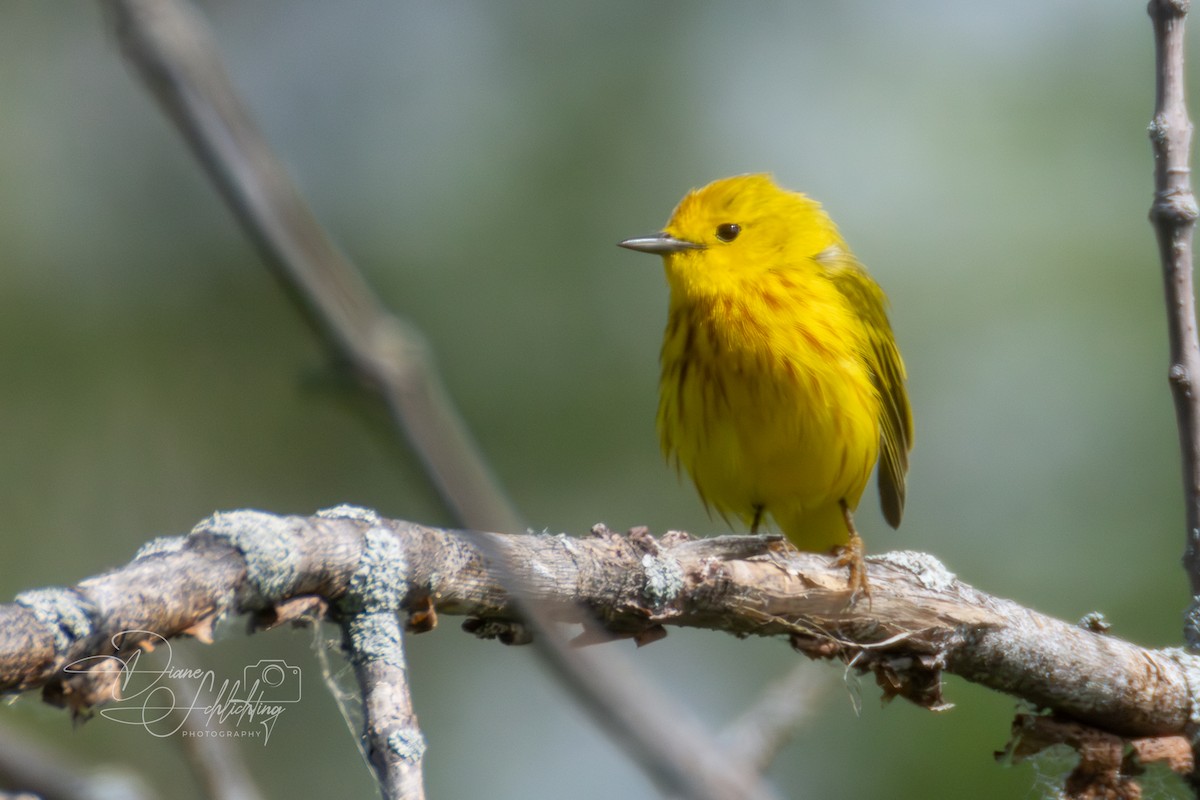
(851, 555)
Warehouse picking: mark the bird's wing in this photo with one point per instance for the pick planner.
(887, 372)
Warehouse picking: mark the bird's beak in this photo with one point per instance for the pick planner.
(659, 243)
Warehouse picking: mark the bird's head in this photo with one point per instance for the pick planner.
(734, 229)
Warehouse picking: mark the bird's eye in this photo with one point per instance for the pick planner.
(728, 231)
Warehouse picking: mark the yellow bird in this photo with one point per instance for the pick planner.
(781, 382)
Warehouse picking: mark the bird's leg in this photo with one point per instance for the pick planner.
(851, 556)
(779, 548)
(758, 518)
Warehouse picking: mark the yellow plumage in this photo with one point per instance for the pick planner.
(781, 382)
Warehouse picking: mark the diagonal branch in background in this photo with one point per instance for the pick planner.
(920, 622)
(171, 50)
(1173, 215)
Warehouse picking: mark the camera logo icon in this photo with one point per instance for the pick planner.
(272, 680)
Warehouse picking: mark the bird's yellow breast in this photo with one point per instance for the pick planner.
(768, 404)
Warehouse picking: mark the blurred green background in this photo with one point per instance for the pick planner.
(479, 160)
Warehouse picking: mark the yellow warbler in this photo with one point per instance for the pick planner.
(781, 382)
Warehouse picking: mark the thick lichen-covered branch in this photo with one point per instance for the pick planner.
(920, 620)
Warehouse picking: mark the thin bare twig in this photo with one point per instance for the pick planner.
(173, 52)
(1173, 215)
